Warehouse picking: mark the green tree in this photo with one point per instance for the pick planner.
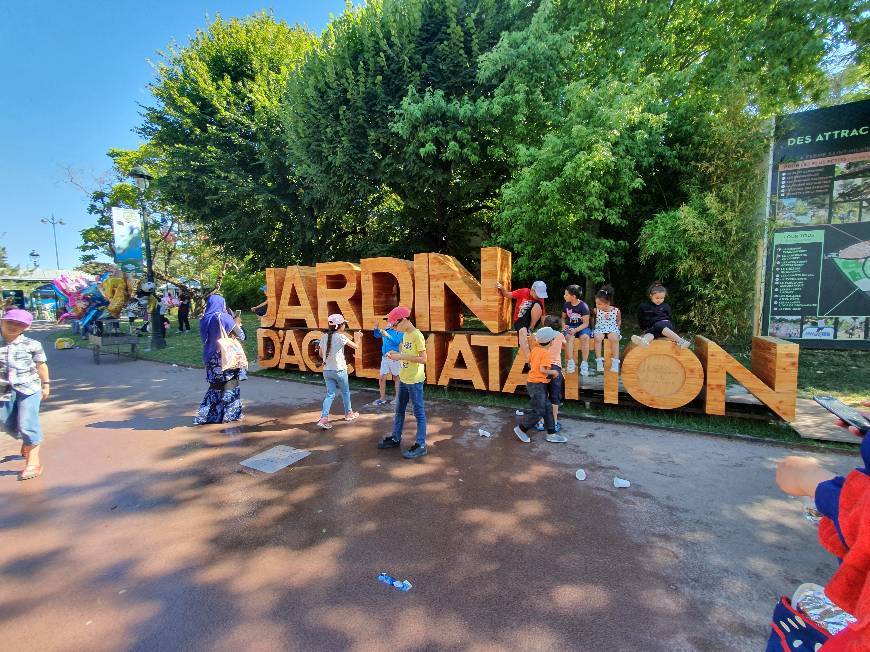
(386, 129)
(216, 129)
(608, 110)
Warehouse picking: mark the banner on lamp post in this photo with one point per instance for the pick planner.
(127, 230)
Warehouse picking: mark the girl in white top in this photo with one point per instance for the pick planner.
(608, 321)
(335, 369)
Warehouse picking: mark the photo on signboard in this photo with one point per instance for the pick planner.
(852, 189)
(846, 212)
(786, 327)
(853, 168)
(851, 328)
(818, 328)
(798, 211)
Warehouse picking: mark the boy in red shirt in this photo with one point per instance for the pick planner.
(528, 311)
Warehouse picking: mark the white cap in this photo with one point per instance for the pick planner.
(540, 288)
(335, 320)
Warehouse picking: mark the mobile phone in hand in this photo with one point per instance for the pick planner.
(839, 409)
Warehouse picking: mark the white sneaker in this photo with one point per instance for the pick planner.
(684, 343)
(584, 368)
(614, 365)
(599, 364)
(639, 341)
(571, 367)
(523, 437)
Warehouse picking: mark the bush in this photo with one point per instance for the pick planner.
(706, 247)
(241, 288)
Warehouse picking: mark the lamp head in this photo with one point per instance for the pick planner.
(140, 177)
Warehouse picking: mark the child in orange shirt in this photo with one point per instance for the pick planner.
(537, 384)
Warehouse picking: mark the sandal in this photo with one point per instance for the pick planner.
(30, 473)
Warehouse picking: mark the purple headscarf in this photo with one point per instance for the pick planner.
(209, 326)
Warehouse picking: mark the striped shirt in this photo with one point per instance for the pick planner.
(18, 361)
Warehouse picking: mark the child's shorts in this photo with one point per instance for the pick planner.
(554, 388)
(585, 331)
(390, 367)
(658, 327)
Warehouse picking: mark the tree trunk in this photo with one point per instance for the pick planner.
(220, 278)
(590, 290)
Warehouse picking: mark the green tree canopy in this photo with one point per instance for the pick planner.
(217, 130)
(387, 127)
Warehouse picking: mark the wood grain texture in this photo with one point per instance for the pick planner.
(572, 382)
(774, 382)
(436, 352)
(464, 362)
(367, 356)
(611, 378)
(518, 371)
(499, 354)
(298, 303)
(662, 375)
(451, 286)
(269, 347)
(306, 348)
(291, 351)
(339, 291)
(274, 288)
(386, 283)
(421, 291)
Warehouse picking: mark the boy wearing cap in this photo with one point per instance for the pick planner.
(412, 378)
(529, 310)
(24, 384)
(537, 384)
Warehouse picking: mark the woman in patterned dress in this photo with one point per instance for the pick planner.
(222, 402)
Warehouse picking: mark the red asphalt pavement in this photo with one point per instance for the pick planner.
(144, 535)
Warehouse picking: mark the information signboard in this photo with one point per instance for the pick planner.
(818, 265)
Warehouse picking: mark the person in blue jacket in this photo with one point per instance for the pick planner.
(391, 339)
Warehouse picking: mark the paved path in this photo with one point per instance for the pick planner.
(143, 535)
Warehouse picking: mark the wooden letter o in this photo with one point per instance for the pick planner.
(662, 375)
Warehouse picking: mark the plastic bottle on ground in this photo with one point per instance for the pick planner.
(401, 585)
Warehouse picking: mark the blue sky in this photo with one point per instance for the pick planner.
(72, 77)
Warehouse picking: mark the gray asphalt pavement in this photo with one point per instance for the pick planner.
(144, 535)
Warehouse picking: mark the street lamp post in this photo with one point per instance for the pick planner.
(142, 179)
(54, 224)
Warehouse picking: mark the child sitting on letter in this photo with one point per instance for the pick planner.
(654, 318)
(577, 316)
(608, 321)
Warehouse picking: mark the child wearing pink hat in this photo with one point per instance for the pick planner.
(24, 384)
(412, 378)
(331, 347)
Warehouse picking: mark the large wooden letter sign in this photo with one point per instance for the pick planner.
(439, 291)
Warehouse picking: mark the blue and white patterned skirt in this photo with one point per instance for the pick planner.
(220, 404)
